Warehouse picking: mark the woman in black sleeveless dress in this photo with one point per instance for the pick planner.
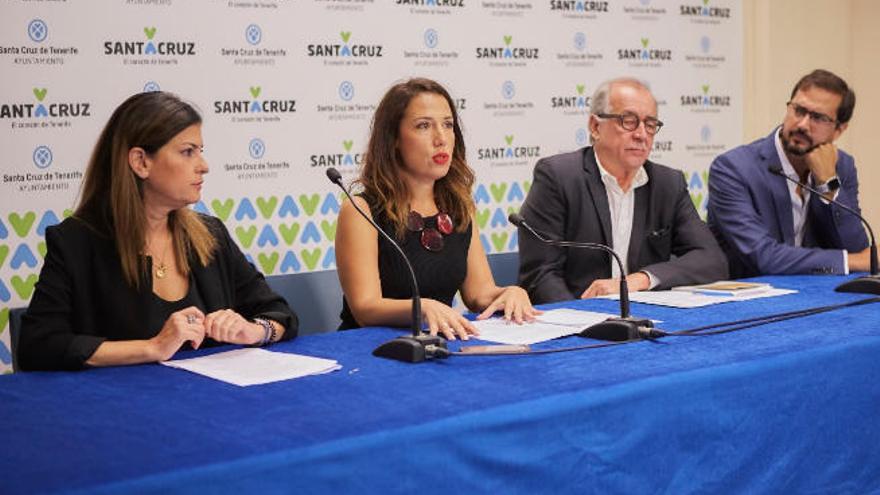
(417, 186)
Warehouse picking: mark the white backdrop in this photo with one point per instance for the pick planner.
(287, 88)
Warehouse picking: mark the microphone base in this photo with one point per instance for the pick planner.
(410, 349)
(869, 284)
(618, 329)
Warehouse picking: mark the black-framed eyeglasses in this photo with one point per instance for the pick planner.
(431, 238)
(817, 117)
(631, 121)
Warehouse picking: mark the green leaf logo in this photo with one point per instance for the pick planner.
(347, 145)
(311, 258)
(705, 88)
(507, 39)
(509, 139)
(309, 203)
(222, 208)
(150, 32)
(255, 91)
(289, 233)
(22, 224)
(498, 191)
(40, 93)
(24, 287)
(267, 206)
(644, 42)
(268, 263)
(580, 89)
(345, 36)
(246, 236)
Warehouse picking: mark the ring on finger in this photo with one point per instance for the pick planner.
(190, 319)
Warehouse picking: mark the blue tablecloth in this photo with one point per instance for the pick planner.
(787, 407)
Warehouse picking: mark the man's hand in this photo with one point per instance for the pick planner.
(822, 161)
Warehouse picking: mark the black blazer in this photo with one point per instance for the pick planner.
(567, 201)
(82, 299)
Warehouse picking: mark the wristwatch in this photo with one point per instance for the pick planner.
(832, 185)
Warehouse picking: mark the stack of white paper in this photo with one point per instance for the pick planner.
(254, 366)
(685, 299)
(552, 324)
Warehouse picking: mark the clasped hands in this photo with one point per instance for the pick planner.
(191, 325)
(442, 319)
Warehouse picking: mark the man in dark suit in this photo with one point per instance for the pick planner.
(768, 225)
(610, 193)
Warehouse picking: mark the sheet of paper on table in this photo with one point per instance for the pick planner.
(253, 366)
(552, 324)
(685, 299)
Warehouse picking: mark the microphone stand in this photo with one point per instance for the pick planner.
(624, 327)
(866, 284)
(413, 348)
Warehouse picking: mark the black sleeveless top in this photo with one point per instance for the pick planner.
(439, 274)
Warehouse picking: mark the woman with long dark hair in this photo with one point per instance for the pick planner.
(134, 274)
(417, 185)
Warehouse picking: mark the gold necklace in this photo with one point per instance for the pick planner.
(161, 269)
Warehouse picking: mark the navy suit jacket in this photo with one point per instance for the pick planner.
(750, 215)
(567, 201)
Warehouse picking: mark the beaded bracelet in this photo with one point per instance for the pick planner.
(269, 332)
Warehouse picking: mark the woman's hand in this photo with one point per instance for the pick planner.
(182, 326)
(447, 321)
(515, 303)
(226, 325)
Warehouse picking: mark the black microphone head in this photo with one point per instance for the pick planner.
(516, 219)
(775, 169)
(334, 176)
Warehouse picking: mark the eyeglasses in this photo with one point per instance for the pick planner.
(815, 117)
(631, 121)
(431, 238)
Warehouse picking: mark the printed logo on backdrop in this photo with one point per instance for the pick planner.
(151, 49)
(261, 4)
(702, 55)
(576, 103)
(509, 153)
(256, 106)
(704, 145)
(162, 3)
(644, 10)
(151, 87)
(705, 101)
(432, 7)
(35, 48)
(345, 5)
(345, 158)
(252, 51)
(429, 52)
(347, 50)
(579, 9)
(507, 8)
(508, 53)
(256, 162)
(508, 105)
(645, 55)
(346, 105)
(704, 13)
(579, 53)
(43, 112)
(581, 138)
(662, 148)
(39, 175)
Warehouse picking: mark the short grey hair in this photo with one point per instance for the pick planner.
(600, 101)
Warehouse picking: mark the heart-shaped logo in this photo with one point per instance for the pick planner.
(483, 217)
(311, 258)
(580, 89)
(267, 206)
(24, 287)
(345, 36)
(508, 39)
(498, 191)
(22, 224)
(222, 208)
(697, 199)
(255, 91)
(329, 229)
(289, 232)
(527, 184)
(150, 32)
(40, 93)
(509, 139)
(644, 42)
(705, 89)
(347, 145)
(499, 239)
(246, 236)
(41, 248)
(309, 203)
(268, 262)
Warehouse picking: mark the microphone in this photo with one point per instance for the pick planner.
(617, 329)
(413, 348)
(868, 284)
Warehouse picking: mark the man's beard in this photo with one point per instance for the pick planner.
(794, 149)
